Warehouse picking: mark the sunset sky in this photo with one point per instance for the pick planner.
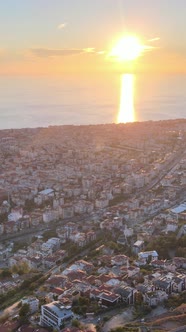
(73, 36)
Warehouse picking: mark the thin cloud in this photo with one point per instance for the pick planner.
(101, 52)
(89, 50)
(46, 52)
(154, 39)
(62, 26)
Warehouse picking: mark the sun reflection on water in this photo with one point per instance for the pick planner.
(126, 110)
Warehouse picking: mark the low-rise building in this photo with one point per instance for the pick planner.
(154, 298)
(137, 246)
(144, 256)
(33, 303)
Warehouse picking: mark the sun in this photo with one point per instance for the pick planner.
(128, 48)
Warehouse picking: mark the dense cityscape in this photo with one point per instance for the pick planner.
(93, 224)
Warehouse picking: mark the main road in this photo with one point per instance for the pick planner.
(41, 228)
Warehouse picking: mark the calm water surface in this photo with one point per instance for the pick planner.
(43, 101)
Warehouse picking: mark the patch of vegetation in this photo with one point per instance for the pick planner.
(175, 300)
(30, 205)
(6, 273)
(21, 269)
(141, 310)
(164, 244)
(83, 305)
(23, 312)
(105, 319)
(3, 217)
(118, 199)
(48, 234)
(125, 329)
(146, 269)
(19, 245)
(25, 289)
(4, 318)
(76, 323)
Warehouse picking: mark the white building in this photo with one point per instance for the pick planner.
(171, 226)
(145, 255)
(50, 215)
(137, 246)
(128, 231)
(15, 214)
(33, 303)
(101, 203)
(179, 209)
(54, 314)
(51, 245)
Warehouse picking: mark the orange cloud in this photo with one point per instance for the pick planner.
(88, 60)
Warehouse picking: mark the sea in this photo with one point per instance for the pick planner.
(42, 101)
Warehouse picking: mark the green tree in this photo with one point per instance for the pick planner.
(48, 234)
(29, 204)
(23, 312)
(76, 323)
(6, 273)
(4, 318)
(83, 301)
(181, 252)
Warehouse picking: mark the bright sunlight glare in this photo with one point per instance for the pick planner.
(126, 110)
(127, 49)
